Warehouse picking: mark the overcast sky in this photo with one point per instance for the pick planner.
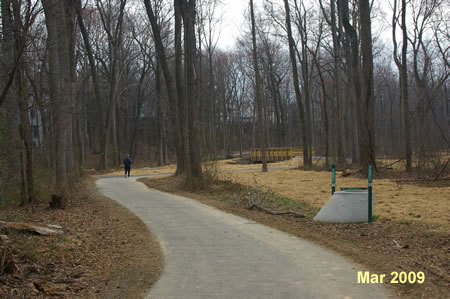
(232, 12)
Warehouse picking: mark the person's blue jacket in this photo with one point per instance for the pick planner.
(127, 162)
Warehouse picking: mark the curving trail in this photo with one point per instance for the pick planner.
(212, 254)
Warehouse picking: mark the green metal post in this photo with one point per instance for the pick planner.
(370, 193)
(333, 179)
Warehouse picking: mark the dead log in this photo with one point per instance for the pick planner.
(40, 230)
(272, 212)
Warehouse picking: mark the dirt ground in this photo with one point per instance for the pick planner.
(106, 252)
(415, 218)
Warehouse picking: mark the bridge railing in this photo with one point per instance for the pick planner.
(275, 153)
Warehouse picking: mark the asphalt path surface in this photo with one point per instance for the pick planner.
(212, 254)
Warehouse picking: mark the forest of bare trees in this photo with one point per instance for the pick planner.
(85, 81)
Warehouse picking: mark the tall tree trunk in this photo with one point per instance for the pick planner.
(194, 173)
(271, 83)
(298, 96)
(115, 35)
(421, 86)
(183, 155)
(25, 132)
(353, 134)
(363, 92)
(98, 99)
(55, 87)
(114, 132)
(172, 95)
(225, 133)
(69, 10)
(137, 112)
(65, 82)
(303, 58)
(324, 107)
(261, 127)
(367, 146)
(420, 108)
(338, 82)
(23, 177)
(240, 129)
(282, 115)
(10, 93)
(160, 115)
(21, 96)
(211, 116)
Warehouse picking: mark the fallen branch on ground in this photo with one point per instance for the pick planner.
(256, 201)
(272, 212)
(40, 230)
(392, 164)
(399, 246)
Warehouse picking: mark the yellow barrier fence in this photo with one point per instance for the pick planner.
(275, 153)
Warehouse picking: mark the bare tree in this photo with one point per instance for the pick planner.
(261, 129)
(171, 93)
(363, 89)
(53, 19)
(338, 76)
(323, 90)
(114, 32)
(403, 71)
(298, 94)
(94, 76)
(422, 61)
(193, 159)
(17, 19)
(208, 25)
(367, 105)
(302, 16)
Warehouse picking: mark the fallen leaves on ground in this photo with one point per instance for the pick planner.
(105, 252)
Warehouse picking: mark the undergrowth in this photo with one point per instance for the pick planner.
(241, 195)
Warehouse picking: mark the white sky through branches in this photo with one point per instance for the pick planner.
(232, 15)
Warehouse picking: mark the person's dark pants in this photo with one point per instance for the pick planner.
(127, 171)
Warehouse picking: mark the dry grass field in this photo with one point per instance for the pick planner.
(396, 201)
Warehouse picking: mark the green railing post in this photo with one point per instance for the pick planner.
(370, 194)
(333, 179)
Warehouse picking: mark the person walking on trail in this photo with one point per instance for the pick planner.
(127, 165)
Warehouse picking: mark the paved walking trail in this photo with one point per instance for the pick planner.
(212, 254)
